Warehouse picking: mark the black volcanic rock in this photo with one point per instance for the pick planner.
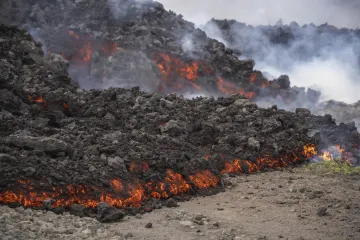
(159, 146)
(119, 44)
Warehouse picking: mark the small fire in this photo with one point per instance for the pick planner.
(336, 153)
(310, 150)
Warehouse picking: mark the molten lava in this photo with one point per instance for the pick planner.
(204, 179)
(177, 74)
(84, 45)
(134, 192)
(252, 77)
(230, 88)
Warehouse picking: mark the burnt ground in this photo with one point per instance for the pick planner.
(274, 205)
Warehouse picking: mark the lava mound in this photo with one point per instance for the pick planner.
(91, 152)
(129, 43)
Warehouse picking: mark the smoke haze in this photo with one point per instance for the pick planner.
(341, 13)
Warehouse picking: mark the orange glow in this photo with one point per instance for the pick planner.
(117, 185)
(230, 88)
(204, 179)
(309, 150)
(134, 193)
(232, 167)
(252, 77)
(175, 67)
(108, 49)
(336, 152)
(84, 45)
(38, 100)
(176, 182)
(139, 167)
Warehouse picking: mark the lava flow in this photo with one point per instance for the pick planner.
(173, 68)
(134, 193)
(84, 45)
(177, 75)
(230, 88)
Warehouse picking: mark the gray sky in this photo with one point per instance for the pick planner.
(341, 13)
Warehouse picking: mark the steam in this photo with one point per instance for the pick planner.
(341, 13)
(328, 62)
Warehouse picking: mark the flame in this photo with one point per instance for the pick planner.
(230, 88)
(134, 193)
(309, 150)
(336, 152)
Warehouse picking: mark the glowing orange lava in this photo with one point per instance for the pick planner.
(230, 88)
(252, 77)
(84, 45)
(134, 192)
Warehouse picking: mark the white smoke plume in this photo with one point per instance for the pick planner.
(335, 70)
(341, 13)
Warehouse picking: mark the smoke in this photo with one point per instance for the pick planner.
(323, 58)
(341, 13)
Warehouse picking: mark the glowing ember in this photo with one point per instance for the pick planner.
(44, 103)
(38, 100)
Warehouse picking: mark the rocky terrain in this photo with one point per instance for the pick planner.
(131, 43)
(294, 205)
(63, 148)
(284, 46)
